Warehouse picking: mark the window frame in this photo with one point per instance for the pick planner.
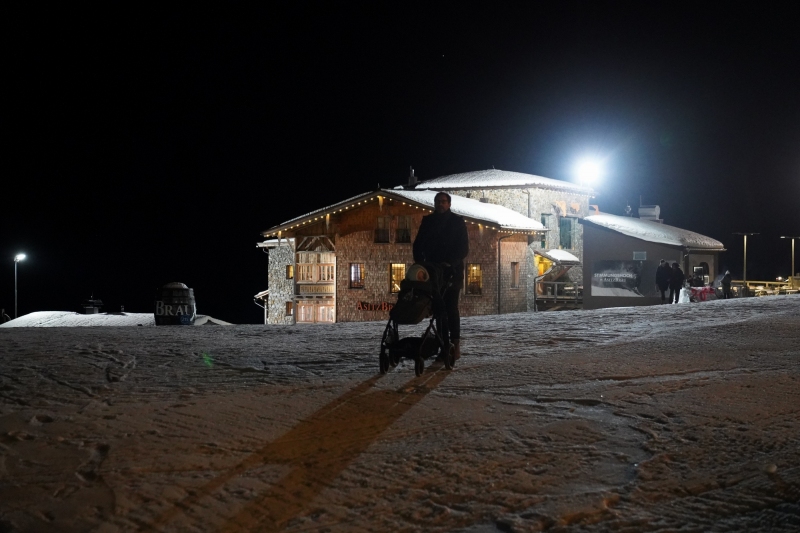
(392, 279)
(545, 218)
(570, 233)
(360, 284)
(403, 228)
(383, 232)
(470, 285)
(515, 275)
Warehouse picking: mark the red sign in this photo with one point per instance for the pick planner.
(366, 306)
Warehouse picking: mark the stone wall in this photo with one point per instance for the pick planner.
(281, 290)
(535, 203)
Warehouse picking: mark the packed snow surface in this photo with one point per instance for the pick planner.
(481, 179)
(648, 419)
(70, 319)
(650, 231)
(45, 319)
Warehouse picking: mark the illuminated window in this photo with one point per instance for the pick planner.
(546, 224)
(515, 275)
(289, 271)
(565, 228)
(403, 229)
(289, 308)
(474, 279)
(397, 271)
(382, 229)
(356, 275)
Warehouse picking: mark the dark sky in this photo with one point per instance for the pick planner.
(144, 147)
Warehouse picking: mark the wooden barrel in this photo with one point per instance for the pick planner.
(175, 305)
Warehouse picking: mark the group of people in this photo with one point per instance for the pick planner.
(669, 278)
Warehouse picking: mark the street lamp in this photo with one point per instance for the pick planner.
(744, 270)
(17, 259)
(792, 272)
(589, 170)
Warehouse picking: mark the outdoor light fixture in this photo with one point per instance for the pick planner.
(17, 259)
(744, 270)
(793, 273)
(589, 170)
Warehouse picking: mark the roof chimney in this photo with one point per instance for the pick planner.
(650, 212)
(412, 179)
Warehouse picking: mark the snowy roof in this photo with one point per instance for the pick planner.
(559, 256)
(485, 179)
(70, 319)
(468, 208)
(650, 231)
(491, 215)
(274, 243)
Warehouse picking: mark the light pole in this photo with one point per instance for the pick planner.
(17, 259)
(744, 270)
(792, 273)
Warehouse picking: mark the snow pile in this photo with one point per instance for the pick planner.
(482, 179)
(654, 231)
(69, 319)
(492, 214)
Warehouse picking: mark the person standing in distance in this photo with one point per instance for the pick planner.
(442, 238)
(663, 275)
(726, 285)
(675, 283)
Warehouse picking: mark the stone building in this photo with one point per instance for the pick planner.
(344, 262)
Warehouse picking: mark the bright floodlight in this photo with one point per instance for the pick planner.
(19, 257)
(589, 170)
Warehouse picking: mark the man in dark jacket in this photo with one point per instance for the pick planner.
(663, 275)
(726, 285)
(442, 238)
(675, 283)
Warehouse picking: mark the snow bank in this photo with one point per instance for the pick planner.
(70, 319)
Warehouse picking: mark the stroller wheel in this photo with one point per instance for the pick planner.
(384, 362)
(450, 358)
(419, 365)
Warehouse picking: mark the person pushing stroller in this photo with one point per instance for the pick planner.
(442, 238)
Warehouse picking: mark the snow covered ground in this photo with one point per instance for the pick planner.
(71, 319)
(664, 418)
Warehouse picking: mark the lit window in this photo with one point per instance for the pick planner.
(474, 279)
(403, 229)
(515, 275)
(356, 275)
(397, 271)
(289, 308)
(565, 227)
(382, 229)
(289, 271)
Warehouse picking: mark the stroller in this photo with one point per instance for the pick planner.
(421, 296)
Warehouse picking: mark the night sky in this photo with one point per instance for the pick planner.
(150, 146)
